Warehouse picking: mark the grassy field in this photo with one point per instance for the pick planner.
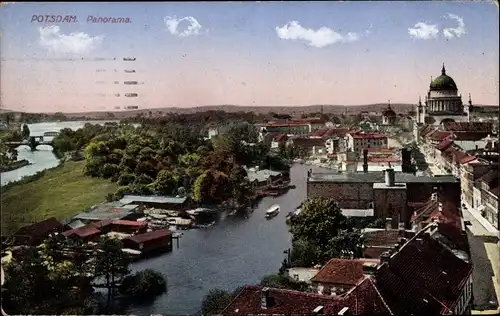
(61, 193)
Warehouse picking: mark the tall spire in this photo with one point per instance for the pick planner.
(443, 70)
(389, 104)
(419, 100)
(470, 100)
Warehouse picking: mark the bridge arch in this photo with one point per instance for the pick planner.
(51, 134)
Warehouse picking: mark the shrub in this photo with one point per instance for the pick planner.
(146, 283)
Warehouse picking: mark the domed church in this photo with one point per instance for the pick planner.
(443, 103)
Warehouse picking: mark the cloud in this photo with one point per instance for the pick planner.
(74, 43)
(424, 31)
(172, 23)
(321, 37)
(452, 32)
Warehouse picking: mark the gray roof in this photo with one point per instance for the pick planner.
(76, 224)
(260, 175)
(374, 177)
(128, 199)
(104, 211)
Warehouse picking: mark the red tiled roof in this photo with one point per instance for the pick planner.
(340, 271)
(375, 252)
(284, 302)
(330, 132)
(427, 130)
(368, 135)
(364, 299)
(308, 142)
(84, 231)
(444, 144)
(103, 223)
(42, 228)
(469, 126)
(387, 237)
(384, 159)
(280, 137)
(130, 223)
(426, 264)
(288, 124)
(469, 136)
(402, 298)
(141, 238)
(439, 135)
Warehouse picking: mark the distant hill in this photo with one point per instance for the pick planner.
(297, 110)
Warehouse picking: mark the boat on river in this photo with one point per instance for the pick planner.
(272, 211)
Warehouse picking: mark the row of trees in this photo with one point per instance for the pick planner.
(58, 278)
(168, 159)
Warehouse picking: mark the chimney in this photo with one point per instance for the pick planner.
(385, 256)
(389, 177)
(318, 310)
(388, 223)
(344, 311)
(264, 298)
(365, 160)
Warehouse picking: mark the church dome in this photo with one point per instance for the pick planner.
(443, 82)
(389, 112)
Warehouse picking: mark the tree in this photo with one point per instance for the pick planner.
(283, 282)
(216, 300)
(111, 263)
(146, 283)
(318, 224)
(166, 182)
(26, 131)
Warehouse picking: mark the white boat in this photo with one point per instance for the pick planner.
(272, 211)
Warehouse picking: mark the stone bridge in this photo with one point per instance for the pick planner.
(34, 141)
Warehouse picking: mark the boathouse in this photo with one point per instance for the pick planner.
(161, 202)
(35, 234)
(154, 241)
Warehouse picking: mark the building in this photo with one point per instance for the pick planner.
(87, 233)
(162, 202)
(389, 116)
(289, 128)
(357, 141)
(262, 178)
(308, 147)
(363, 299)
(338, 276)
(35, 234)
(387, 194)
(108, 211)
(443, 103)
(150, 242)
(279, 141)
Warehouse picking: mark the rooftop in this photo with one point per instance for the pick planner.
(367, 135)
(374, 177)
(129, 199)
(156, 234)
(340, 271)
(104, 211)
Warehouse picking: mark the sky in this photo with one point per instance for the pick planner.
(62, 57)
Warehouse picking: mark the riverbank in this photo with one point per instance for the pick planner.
(15, 165)
(60, 192)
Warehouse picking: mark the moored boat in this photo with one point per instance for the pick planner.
(272, 211)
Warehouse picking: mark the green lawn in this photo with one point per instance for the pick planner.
(61, 193)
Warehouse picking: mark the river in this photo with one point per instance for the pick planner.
(234, 252)
(43, 158)
(238, 250)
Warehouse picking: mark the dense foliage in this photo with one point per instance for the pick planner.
(147, 283)
(216, 300)
(321, 232)
(283, 282)
(167, 158)
(58, 277)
